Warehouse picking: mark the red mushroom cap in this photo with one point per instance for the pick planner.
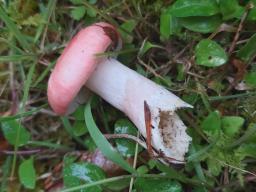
(77, 63)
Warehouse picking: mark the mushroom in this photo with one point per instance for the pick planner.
(120, 86)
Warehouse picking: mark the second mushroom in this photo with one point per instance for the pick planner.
(120, 86)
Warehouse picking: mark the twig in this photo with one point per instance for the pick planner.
(134, 163)
(27, 152)
(150, 69)
(232, 47)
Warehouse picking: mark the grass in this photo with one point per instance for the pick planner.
(158, 43)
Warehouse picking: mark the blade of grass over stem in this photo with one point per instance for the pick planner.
(46, 16)
(22, 109)
(68, 128)
(5, 172)
(13, 28)
(102, 143)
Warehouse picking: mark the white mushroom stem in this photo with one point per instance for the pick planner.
(127, 90)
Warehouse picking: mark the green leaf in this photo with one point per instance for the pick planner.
(250, 78)
(76, 2)
(75, 174)
(126, 28)
(157, 185)
(209, 53)
(143, 169)
(105, 147)
(181, 72)
(214, 167)
(186, 8)
(78, 12)
(119, 185)
(146, 47)
(230, 9)
(211, 125)
(91, 12)
(79, 113)
(169, 25)
(165, 29)
(252, 13)
(248, 51)
(10, 130)
(27, 173)
(33, 20)
(90, 144)
(191, 98)
(246, 150)
(199, 189)
(124, 146)
(70, 131)
(201, 24)
(232, 124)
(79, 128)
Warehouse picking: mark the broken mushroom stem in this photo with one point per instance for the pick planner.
(123, 88)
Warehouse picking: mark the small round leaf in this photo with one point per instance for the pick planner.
(232, 124)
(124, 146)
(27, 174)
(11, 129)
(209, 53)
(81, 173)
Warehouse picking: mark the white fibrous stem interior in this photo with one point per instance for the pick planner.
(127, 90)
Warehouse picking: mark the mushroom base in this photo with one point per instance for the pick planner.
(127, 90)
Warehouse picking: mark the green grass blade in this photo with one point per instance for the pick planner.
(5, 172)
(46, 17)
(48, 145)
(102, 143)
(12, 45)
(23, 114)
(13, 28)
(22, 109)
(43, 74)
(195, 156)
(197, 165)
(68, 128)
(10, 58)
